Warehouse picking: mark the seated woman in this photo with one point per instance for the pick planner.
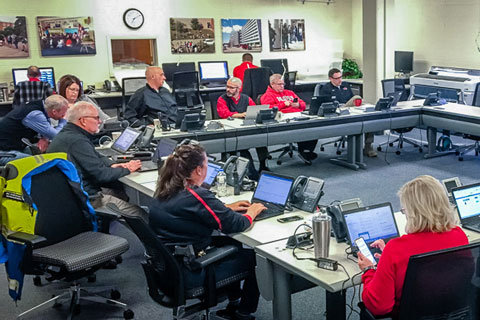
(187, 213)
(70, 87)
(431, 226)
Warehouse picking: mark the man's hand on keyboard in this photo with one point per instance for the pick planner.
(255, 209)
(239, 206)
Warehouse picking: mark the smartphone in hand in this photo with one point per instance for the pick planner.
(363, 248)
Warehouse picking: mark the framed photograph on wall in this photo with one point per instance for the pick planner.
(66, 36)
(13, 37)
(286, 34)
(241, 35)
(192, 35)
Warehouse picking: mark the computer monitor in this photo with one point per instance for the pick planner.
(47, 75)
(213, 71)
(279, 66)
(404, 61)
(170, 68)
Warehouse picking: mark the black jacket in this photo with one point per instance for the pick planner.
(145, 104)
(94, 168)
(190, 217)
(342, 94)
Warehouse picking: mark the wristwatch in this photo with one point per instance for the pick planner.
(369, 268)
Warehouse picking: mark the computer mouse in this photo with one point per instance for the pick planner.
(230, 118)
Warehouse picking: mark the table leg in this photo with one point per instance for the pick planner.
(336, 305)
(350, 161)
(282, 301)
(359, 151)
(432, 145)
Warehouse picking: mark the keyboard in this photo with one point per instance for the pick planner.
(273, 210)
(148, 166)
(107, 152)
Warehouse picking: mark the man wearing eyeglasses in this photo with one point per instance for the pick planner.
(31, 121)
(343, 93)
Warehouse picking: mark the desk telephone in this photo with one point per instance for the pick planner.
(335, 211)
(110, 85)
(145, 138)
(306, 192)
(238, 163)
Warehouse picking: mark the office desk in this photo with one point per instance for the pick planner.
(276, 267)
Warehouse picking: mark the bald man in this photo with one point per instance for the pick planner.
(146, 102)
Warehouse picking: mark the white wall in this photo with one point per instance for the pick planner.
(328, 31)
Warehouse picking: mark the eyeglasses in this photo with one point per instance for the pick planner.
(230, 87)
(337, 78)
(93, 117)
(73, 89)
(279, 84)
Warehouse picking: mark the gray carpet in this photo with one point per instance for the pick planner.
(379, 183)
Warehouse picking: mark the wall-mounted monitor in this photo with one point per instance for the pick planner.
(47, 75)
(404, 61)
(279, 66)
(213, 72)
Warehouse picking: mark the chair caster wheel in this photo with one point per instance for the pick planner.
(37, 281)
(339, 152)
(269, 157)
(92, 278)
(128, 314)
(390, 144)
(322, 149)
(279, 162)
(457, 153)
(118, 259)
(115, 294)
(379, 148)
(420, 149)
(397, 152)
(335, 144)
(460, 158)
(290, 154)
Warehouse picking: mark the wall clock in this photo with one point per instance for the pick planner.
(133, 18)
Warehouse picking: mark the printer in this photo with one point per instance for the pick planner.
(452, 84)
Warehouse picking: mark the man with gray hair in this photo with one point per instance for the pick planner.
(31, 90)
(31, 121)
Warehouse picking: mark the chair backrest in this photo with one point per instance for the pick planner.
(186, 88)
(213, 97)
(290, 77)
(316, 90)
(442, 285)
(476, 96)
(256, 81)
(394, 85)
(129, 86)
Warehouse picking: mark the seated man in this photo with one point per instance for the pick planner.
(31, 121)
(31, 90)
(99, 174)
(146, 102)
(343, 94)
(287, 101)
(234, 104)
(247, 63)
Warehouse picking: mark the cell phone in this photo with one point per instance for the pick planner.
(289, 219)
(295, 99)
(363, 248)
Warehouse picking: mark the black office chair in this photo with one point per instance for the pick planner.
(475, 146)
(390, 86)
(186, 89)
(129, 86)
(440, 285)
(256, 81)
(164, 273)
(290, 78)
(63, 247)
(213, 97)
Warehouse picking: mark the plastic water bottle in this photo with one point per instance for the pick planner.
(221, 184)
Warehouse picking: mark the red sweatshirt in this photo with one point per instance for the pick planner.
(239, 71)
(382, 289)
(222, 108)
(277, 99)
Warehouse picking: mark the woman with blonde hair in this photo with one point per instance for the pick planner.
(431, 226)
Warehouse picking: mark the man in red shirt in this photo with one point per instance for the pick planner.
(247, 63)
(287, 101)
(234, 104)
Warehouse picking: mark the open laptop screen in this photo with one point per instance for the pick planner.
(371, 223)
(467, 199)
(212, 170)
(165, 147)
(126, 139)
(273, 188)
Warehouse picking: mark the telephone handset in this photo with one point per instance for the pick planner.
(306, 192)
(110, 85)
(241, 165)
(335, 211)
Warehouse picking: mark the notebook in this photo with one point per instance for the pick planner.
(371, 223)
(122, 144)
(467, 199)
(212, 170)
(272, 191)
(165, 147)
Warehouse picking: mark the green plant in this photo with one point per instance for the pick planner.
(350, 69)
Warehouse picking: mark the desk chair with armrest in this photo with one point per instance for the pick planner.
(440, 285)
(290, 77)
(391, 86)
(213, 97)
(165, 276)
(64, 247)
(476, 146)
(186, 89)
(256, 81)
(129, 86)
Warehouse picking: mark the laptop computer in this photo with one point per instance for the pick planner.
(272, 191)
(165, 147)
(467, 199)
(252, 112)
(122, 144)
(212, 170)
(371, 223)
